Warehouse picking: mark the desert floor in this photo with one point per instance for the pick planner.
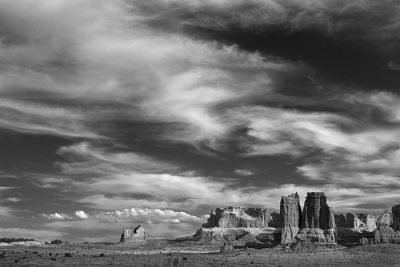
(166, 253)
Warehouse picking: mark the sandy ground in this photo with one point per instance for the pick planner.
(164, 253)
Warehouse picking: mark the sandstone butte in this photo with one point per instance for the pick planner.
(133, 236)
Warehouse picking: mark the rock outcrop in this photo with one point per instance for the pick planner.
(239, 236)
(359, 222)
(385, 233)
(318, 222)
(290, 213)
(236, 217)
(396, 217)
(385, 219)
(133, 236)
(352, 227)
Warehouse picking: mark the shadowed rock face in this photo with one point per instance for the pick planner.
(396, 217)
(316, 212)
(238, 217)
(359, 222)
(135, 235)
(318, 224)
(290, 212)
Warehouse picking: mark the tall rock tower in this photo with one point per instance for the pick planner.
(318, 224)
(290, 212)
(396, 217)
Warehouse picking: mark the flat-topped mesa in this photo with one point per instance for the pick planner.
(318, 222)
(235, 217)
(133, 236)
(290, 217)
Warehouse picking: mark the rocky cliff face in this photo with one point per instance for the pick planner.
(235, 217)
(359, 222)
(290, 213)
(135, 235)
(318, 222)
(385, 219)
(396, 217)
(384, 232)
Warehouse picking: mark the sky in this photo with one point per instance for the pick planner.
(126, 112)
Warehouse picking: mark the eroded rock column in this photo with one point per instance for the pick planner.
(396, 217)
(318, 224)
(290, 212)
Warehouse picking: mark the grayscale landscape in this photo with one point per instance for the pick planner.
(199, 132)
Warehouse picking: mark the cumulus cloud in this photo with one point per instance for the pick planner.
(154, 215)
(56, 216)
(81, 214)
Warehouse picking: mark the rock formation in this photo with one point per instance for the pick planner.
(353, 221)
(340, 220)
(396, 217)
(385, 233)
(386, 219)
(352, 227)
(318, 222)
(239, 236)
(135, 235)
(290, 212)
(238, 217)
(240, 227)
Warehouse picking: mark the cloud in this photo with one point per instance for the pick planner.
(243, 172)
(154, 215)
(56, 216)
(81, 214)
(95, 157)
(108, 63)
(13, 199)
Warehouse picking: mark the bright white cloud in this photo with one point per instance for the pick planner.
(56, 216)
(81, 214)
(154, 215)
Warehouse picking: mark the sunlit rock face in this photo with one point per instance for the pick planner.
(354, 228)
(318, 221)
(135, 235)
(236, 217)
(385, 219)
(240, 235)
(357, 221)
(290, 213)
(241, 227)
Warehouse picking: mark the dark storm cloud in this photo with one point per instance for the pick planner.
(347, 42)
